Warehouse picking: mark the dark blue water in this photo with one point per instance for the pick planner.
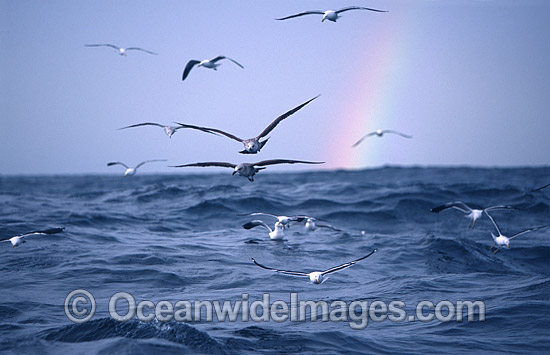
(180, 238)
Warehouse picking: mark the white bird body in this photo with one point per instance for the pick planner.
(16, 241)
(207, 63)
(330, 15)
(501, 240)
(312, 225)
(132, 171)
(277, 233)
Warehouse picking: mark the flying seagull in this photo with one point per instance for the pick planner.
(380, 133)
(316, 277)
(312, 224)
(284, 220)
(132, 171)
(207, 63)
(540, 188)
(331, 15)
(121, 51)
(471, 213)
(248, 170)
(18, 239)
(169, 130)
(254, 145)
(277, 233)
(502, 240)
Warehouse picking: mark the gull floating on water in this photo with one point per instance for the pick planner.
(248, 170)
(18, 239)
(169, 130)
(312, 224)
(380, 133)
(254, 145)
(207, 63)
(502, 240)
(471, 213)
(277, 233)
(316, 277)
(132, 171)
(121, 51)
(331, 15)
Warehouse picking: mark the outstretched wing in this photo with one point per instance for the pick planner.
(103, 45)
(459, 205)
(140, 49)
(346, 265)
(183, 125)
(528, 230)
(286, 272)
(148, 161)
(144, 124)
(501, 207)
(278, 120)
(357, 8)
(540, 188)
(328, 226)
(212, 130)
(43, 232)
(258, 214)
(211, 163)
(256, 223)
(118, 163)
(285, 161)
(396, 132)
(220, 57)
(494, 222)
(313, 12)
(188, 67)
(362, 139)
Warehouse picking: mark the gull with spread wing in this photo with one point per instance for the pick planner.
(18, 239)
(121, 51)
(472, 213)
(331, 15)
(502, 240)
(132, 171)
(207, 63)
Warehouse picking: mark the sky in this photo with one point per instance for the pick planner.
(468, 79)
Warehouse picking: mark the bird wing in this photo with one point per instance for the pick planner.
(328, 226)
(118, 163)
(188, 67)
(286, 272)
(273, 124)
(43, 232)
(103, 45)
(540, 188)
(362, 139)
(346, 265)
(357, 8)
(140, 49)
(459, 205)
(494, 222)
(143, 124)
(313, 12)
(528, 230)
(285, 161)
(148, 161)
(256, 223)
(211, 163)
(396, 132)
(220, 57)
(501, 207)
(211, 130)
(259, 214)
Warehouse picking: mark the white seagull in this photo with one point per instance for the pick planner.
(284, 220)
(121, 51)
(254, 145)
(132, 171)
(312, 224)
(331, 15)
(471, 213)
(18, 239)
(502, 240)
(316, 277)
(207, 63)
(248, 170)
(169, 130)
(277, 233)
(380, 133)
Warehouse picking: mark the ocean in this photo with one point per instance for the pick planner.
(169, 241)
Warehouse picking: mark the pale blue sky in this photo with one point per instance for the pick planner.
(472, 83)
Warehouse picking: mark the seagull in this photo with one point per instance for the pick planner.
(121, 51)
(169, 130)
(502, 240)
(312, 224)
(277, 233)
(316, 277)
(471, 213)
(540, 188)
(248, 170)
(18, 239)
(284, 220)
(331, 15)
(132, 171)
(207, 63)
(380, 133)
(253, 145)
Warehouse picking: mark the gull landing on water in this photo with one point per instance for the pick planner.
(316, 277)
(121, 51)
(132, 171)
(471, 213)
(502, 240)
(207, 63)
(254, 145)
(18, 239)
(312, 224)
(248, 170)
(380, 133)
(169, 130)
(284, 220)
(331, 15)
(277, 233)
